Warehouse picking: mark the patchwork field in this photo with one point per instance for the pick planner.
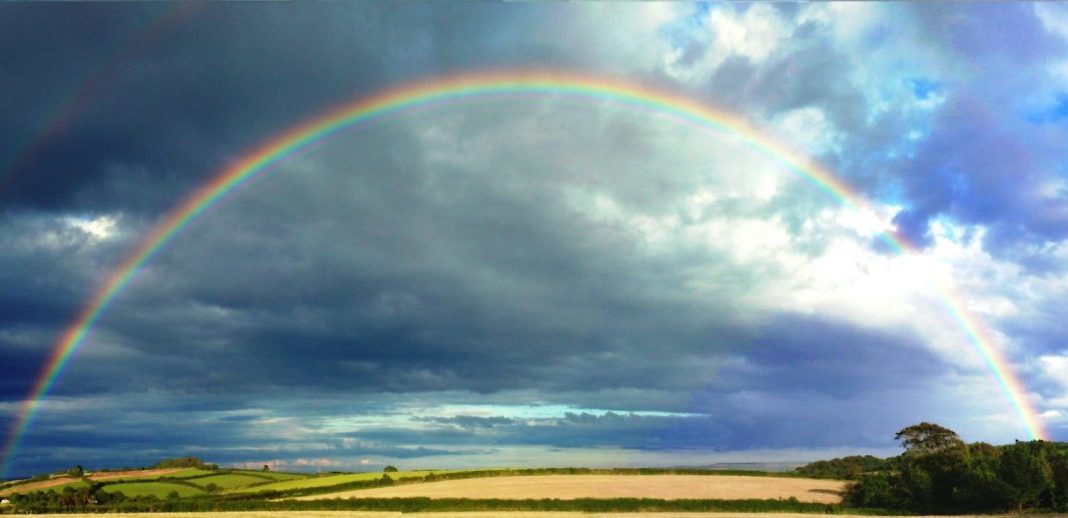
(57, 484)
(157, 489)
(569, 487)
(273, 475)
(230, 480)
(329, 480)
(147, 473)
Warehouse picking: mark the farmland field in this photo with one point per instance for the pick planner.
(273, 475)
(157, 489)
(329, 480)
(190, 473)
(566, 487)
(230, 480)
(146, 473)
(56, 484)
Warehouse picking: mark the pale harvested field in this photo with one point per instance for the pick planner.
(504, 514)
(43, 484)
(569, 487)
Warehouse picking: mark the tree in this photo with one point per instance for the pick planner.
(927, 437)
(183, 462)
(390, 469)
(873, 490)
(266, 468)
(1026, 473)
(75, 472)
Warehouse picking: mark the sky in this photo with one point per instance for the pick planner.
(531, 280)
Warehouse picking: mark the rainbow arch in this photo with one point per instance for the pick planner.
(268, 156)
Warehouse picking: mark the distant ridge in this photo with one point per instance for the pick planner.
(749, 466)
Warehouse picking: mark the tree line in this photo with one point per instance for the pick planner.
(939, 473)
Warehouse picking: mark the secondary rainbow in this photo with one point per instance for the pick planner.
(91, 88)
(472, 87)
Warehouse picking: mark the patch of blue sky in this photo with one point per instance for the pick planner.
(923, 88)
(1055, 111)
(402, 417)
(689, 28)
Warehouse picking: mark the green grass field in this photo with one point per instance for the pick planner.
(190, 473)
(273, 475)
(157, 489)
(229, 480)
(328, 480)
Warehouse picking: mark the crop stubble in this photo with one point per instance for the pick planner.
(568, 487)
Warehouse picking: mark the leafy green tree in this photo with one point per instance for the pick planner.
(874, 490)
(1058, 463)
(927, 437)
(1026, 473)
(979, 488)
(182, 462)
(390, 469)
(844, 468)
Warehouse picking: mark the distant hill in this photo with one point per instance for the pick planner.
(749, 466)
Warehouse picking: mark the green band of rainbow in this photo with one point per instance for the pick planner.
(475, 86)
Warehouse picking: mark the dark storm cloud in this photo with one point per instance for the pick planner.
(801, 354)
(163, 105)
(47, 267)
(484, 282)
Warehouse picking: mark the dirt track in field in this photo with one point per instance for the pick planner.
(569, 487)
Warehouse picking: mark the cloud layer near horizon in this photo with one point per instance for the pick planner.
(510, 280)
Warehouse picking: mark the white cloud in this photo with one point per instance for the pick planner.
(754, 34)
(1056, 368)
(98, 228)
(809, 129)
(1054, 17)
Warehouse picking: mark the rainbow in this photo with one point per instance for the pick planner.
(301, 138)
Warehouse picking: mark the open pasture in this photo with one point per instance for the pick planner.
(273, 475)
(190, 473)
(229, 480)
(157, 489)
(568, 487)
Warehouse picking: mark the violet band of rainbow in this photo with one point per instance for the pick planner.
(474, 86)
